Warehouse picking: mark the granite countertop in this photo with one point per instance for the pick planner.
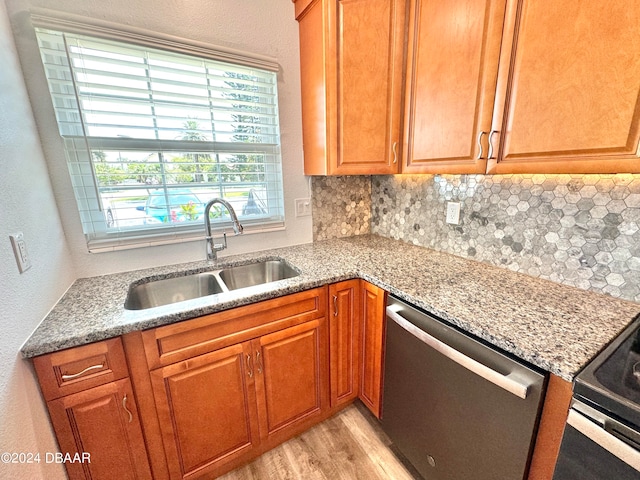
(556, 327)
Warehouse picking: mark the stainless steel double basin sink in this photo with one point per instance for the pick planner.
(194, 285)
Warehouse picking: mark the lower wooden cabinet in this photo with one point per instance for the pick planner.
(345, 323)
(372, 344)
(218, 407)
(207, 410)
(215, 391)
(291, 374)
(100, 428)
(356, 330)
(93, 411)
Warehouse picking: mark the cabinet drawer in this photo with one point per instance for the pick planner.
(180, 341)
(76, 369)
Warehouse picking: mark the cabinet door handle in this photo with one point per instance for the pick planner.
(394, 149)
(124, 405)
(335, 305)
(258, 362)
(71, 376)
(249, 368)
(490, 155)
(480, 135)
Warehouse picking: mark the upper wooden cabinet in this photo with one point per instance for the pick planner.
(452, 70)
(570, 94)
(351, 62)
(517, 86)
(491, 86)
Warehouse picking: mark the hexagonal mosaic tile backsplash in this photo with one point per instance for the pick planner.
(341, 206)
(580, 230)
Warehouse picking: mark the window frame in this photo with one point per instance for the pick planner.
(134, 237)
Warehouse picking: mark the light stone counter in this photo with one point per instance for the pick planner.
(556, 327)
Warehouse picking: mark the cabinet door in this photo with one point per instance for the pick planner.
(103, 423)
(373, 314)
(452, 68)
(571, 89)
(369, 44)
(206, 408)
(291, 378)
(344, 340)
(351, 62)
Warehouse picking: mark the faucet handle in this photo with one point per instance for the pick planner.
(213, 248)
(221, 246)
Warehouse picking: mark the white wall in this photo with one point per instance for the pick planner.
(26, 205)
(265, 27)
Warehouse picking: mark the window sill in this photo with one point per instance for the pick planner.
(114, 245)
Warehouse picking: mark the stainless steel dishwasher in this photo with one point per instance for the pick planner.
(456, 408)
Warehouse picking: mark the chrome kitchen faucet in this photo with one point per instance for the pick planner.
(213, 248)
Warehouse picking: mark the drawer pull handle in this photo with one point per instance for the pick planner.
(124, 405)
(249, 369)
(480, 135)
(259, 362)
(76, 375)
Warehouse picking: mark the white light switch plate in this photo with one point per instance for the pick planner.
(20, 251)
(453, 213)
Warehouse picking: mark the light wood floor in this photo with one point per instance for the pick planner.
(348, 446)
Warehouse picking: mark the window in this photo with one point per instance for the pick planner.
(152, 135)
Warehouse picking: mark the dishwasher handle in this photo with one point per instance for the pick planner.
(503, 381)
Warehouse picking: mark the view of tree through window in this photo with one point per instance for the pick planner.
(151, 136)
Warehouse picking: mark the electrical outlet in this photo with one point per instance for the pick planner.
(303, 207)
(453, 213)
(20, 251)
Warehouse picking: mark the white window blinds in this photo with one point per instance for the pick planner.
(152, 135)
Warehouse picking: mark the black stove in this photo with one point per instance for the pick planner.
(601, 440)
(612, 380)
